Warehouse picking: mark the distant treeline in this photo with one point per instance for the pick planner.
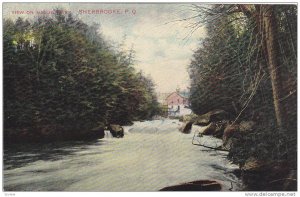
(60, 71)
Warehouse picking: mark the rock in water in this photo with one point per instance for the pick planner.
(98, 132)
(212, 116)
(220, 126)
(116, 130)
(186, 127)
(189, 118)
(202, 185)
(210, 129)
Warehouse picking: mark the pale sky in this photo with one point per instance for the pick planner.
(163, 46)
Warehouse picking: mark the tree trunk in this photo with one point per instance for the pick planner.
(273, 53)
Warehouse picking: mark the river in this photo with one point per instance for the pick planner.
(152, 155)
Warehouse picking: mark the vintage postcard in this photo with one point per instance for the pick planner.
(143, 97)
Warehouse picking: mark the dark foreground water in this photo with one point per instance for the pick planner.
(152, 155)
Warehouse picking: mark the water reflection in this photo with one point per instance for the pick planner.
(18, 155)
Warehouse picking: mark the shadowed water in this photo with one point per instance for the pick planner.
(152, 155)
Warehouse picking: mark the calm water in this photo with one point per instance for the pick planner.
(152, 155)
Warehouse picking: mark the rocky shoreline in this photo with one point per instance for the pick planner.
(255, 173)
(52, 133)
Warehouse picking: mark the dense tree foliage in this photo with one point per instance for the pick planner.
(60, 71)
(247, 66)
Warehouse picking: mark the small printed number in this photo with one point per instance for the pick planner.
(10, 194)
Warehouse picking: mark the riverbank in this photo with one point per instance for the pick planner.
(57, 133)
(257, 172)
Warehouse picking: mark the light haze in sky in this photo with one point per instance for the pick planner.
(162, 41)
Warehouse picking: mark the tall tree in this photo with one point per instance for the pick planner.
(267, 29)
(255, 30)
